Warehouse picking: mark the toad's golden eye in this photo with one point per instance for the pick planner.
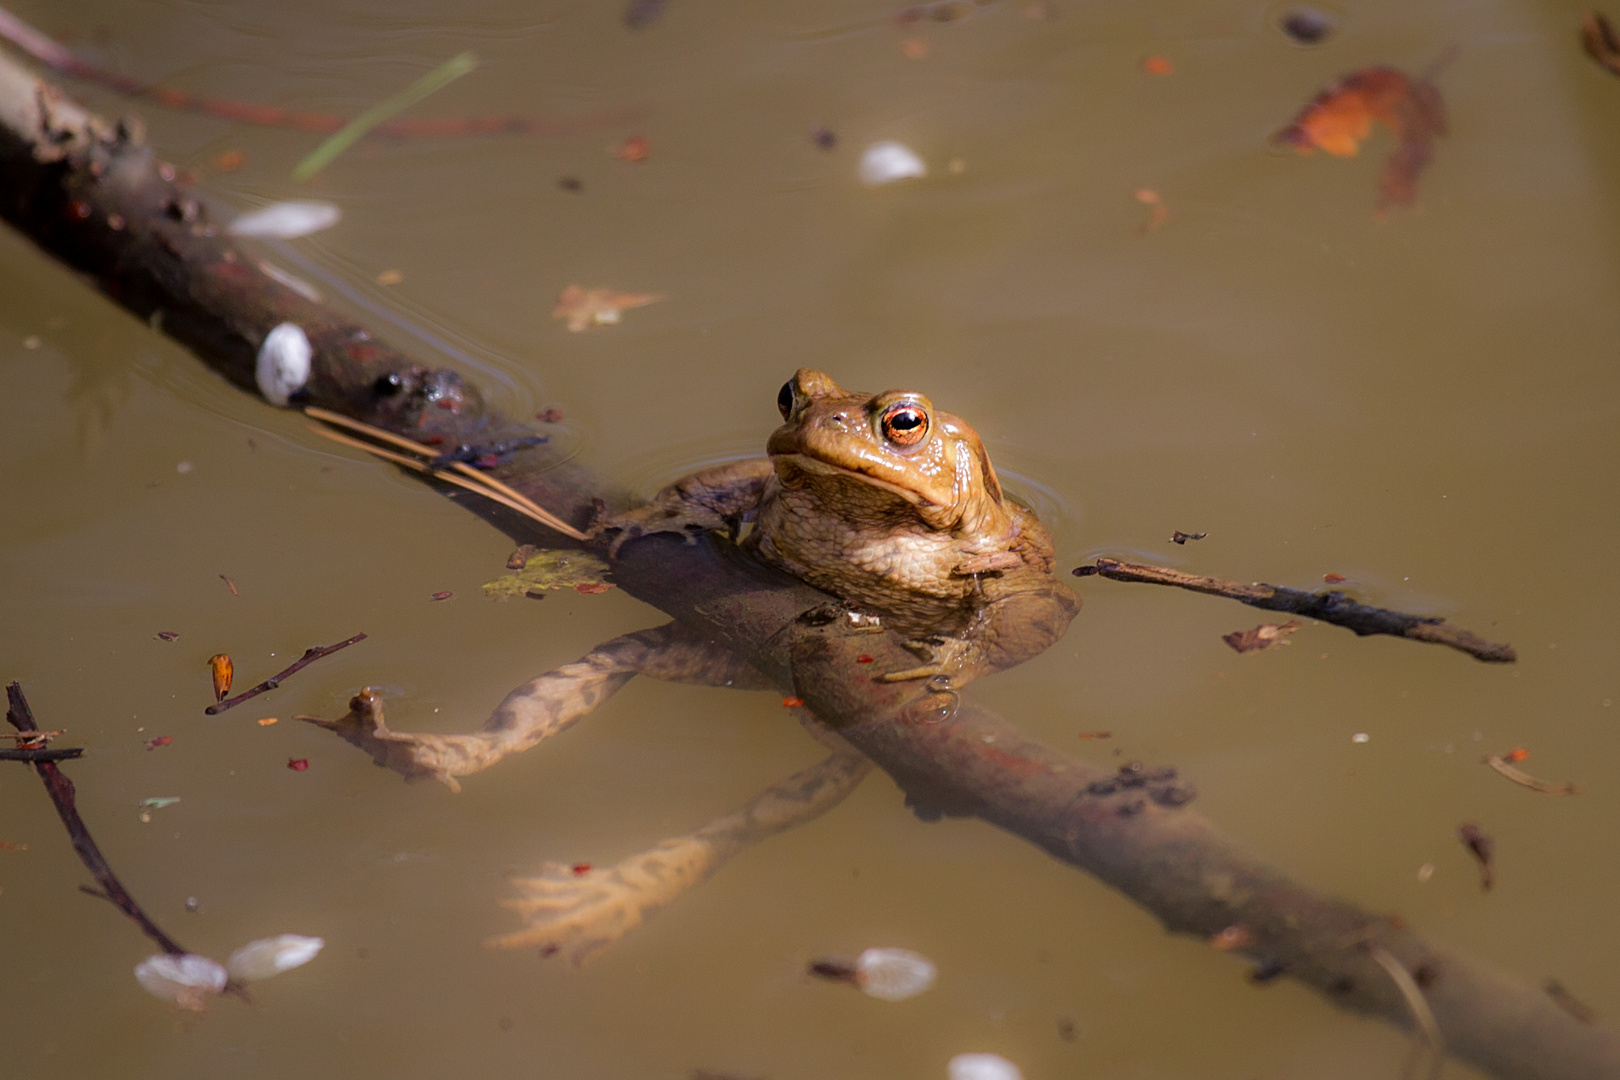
(905, 424)
(784, 400)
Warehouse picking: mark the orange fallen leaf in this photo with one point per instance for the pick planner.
(230, 585)
(632, 149)
(221, 665)
(1516, 755)
(267, 721)
(390, 277)
(1096, 734)
(1158, 215)
(1334, 579)
(580, 869)
(161, 740)
(1158, 65)
(591, 588)
(1341, 116)
(792, 702)
(599, 307)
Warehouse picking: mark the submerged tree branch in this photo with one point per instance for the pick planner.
(311, 654)
(1328, 607)
(97, 199)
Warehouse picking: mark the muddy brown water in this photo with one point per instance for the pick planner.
(1426, 405)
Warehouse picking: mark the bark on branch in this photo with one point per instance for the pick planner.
(95, 197)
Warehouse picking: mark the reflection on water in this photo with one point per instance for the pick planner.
(1423, 405)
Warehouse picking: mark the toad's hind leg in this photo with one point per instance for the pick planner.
(544, 706)
(584, 910)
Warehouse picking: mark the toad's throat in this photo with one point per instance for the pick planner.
(826, 468)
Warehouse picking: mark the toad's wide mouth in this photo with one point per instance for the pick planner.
(826, 468)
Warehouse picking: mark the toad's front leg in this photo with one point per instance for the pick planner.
(720, 498)
(544, 706)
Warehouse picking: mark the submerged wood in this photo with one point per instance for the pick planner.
(95, 197)
(1329, 607)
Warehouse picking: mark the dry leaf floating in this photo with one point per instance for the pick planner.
(1341, 116)
(1263, 636)
(221, 667)
(584, 308)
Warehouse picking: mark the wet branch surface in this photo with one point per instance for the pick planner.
(1329, 607)
(311, 655)
(61, 792)
(95, 197)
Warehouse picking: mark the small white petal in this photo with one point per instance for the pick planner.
(893, 974)
(181, 978)
(982, 1067)
(273, 955)
(286, 220)
(886, 162)
(282, 368)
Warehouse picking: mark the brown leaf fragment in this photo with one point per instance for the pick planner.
(1567, 1001)
(4, 846)
(230, 585)
(1233, 938)
(1263, 636)
(445, 595)
(520, 558)
(1307, 26)
(1483, 849)
(591, 588)
(834, 971)
(167, 635)
(1524, 779)
(1342, 115)
(584, 308)
(1600, 41)
(1179, 537)
(221, 666)
(1158, 212)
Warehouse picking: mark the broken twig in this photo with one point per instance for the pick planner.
(1524, 779)
(310, 656)
(41, 754)
(1328, 607)
(61, 792)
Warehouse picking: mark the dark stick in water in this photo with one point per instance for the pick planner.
(310, 656)
(1328, 607)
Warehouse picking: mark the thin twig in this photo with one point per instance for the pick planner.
(61, 792)
(1328, 607)
(1524, 779)
(310, 656)
(41, 754)
(483, 483)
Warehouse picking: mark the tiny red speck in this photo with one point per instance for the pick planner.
(792, 702)
(442, 595)
(161, 740)
(1333, 579)
(298, 764)
(581, 869)
(865, 658)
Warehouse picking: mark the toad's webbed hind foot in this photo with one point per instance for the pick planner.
(587, 911)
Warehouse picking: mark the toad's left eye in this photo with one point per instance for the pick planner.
(905, 424)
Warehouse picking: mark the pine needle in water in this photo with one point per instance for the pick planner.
(356, 129)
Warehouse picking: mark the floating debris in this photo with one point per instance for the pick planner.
(1567, 1001)
(168, 635)
(356, 129)
(825, 138)
(546, 569)
(271, 956)
(445, 595)
(1483, 849)
(584, 308)
(893, 974)
(888, 162)
(1263, 636)
(161, 740)
(1524, 779)
(229, 584)
(1307, 26)
(182, 978)
(1158, 65)
(222, 669)
(298, 764)
(1176, 535)
(982, 1067)
(634, 148)
(286, 220)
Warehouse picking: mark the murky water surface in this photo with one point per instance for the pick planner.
(1426, 405)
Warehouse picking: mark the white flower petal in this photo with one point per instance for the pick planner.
(272, 955)
(886, 162)
(893, 974)
(181, 978)
(982, 1067)
(286, 220)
